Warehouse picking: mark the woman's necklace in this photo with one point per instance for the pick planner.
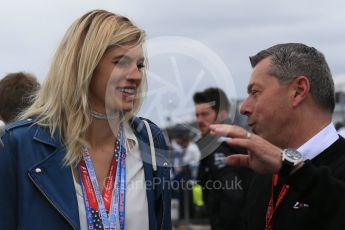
(102, 116)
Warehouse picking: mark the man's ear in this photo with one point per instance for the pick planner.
(222, 115)
(300, 90)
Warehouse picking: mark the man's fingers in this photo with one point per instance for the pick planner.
(219, 130)
(232, 131)
(238, 160)
(244, 143)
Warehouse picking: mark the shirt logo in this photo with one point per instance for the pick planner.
(300, 205)
(219, 160)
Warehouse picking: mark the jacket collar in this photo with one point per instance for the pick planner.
(46, 176)
(43, 135)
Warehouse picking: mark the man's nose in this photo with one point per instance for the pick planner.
(246, 107)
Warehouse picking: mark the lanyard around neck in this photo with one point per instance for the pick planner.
(272, 206)
(104, 211)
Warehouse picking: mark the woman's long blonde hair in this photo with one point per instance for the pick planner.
(62, 103)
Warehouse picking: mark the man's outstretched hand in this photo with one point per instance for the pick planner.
(263, 157)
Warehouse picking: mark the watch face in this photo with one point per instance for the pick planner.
(292, 155)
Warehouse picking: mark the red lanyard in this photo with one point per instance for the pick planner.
(108, 187)
(271, 206)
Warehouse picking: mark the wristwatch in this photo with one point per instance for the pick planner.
(290, 158)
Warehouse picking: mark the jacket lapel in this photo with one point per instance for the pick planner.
(54, 180)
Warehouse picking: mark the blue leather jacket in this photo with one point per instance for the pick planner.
(38, 192)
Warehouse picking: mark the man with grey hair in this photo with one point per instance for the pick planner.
(294, 143)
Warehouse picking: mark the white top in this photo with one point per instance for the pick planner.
(137, 215)
(191, 154)
(318, 143)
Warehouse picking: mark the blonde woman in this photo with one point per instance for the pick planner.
(79, 158)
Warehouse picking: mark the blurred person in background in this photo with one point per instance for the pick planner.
(224, 187)
(17, 91)
(190, 153)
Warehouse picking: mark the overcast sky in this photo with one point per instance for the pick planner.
(192, 44)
